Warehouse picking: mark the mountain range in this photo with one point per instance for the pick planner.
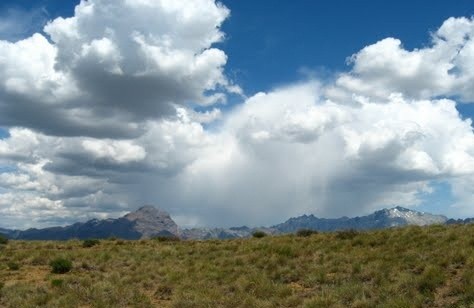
(146, 222)
(149, 222)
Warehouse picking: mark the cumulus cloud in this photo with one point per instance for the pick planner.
(114, 65)
(443, 69)
(102, 120)
(352, 159)
(283, 153)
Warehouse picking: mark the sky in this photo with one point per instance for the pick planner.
(235, 112)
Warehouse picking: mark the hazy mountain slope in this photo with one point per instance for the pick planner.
(385, 218)
(143, 223)
(148, 222)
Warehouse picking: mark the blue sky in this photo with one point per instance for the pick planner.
(269, 42)
(324, 134)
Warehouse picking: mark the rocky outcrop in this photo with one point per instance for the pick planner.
(150, 221)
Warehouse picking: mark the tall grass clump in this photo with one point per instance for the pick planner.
(60, 266)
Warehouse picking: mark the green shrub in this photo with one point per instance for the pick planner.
(90, 243)
(60, 266)
(305, 232)
(259, 234)
(13, 266)
(57, 282)
(3, 239)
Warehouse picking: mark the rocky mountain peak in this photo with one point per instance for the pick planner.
(146, 210)
(402, 216)
(150, 221)
(401, 209)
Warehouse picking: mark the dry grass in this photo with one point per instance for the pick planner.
(408, 267)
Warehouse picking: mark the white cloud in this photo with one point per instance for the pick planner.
(353, 158)
(446, 68)
(119, 151)
(282, 153)
(20, 145)
(113, 66)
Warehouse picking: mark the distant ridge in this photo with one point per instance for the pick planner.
(145, 222)
(148, 221)
(386, 218)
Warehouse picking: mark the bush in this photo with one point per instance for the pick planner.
(60, 266)
(3, 239)
(305, 232)
(259, 234)
(90, 243)
(13, 266)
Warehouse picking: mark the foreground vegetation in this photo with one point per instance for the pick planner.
(407, 267)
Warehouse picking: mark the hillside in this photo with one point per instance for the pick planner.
(413, 266)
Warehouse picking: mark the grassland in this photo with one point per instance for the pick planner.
(407, 267)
